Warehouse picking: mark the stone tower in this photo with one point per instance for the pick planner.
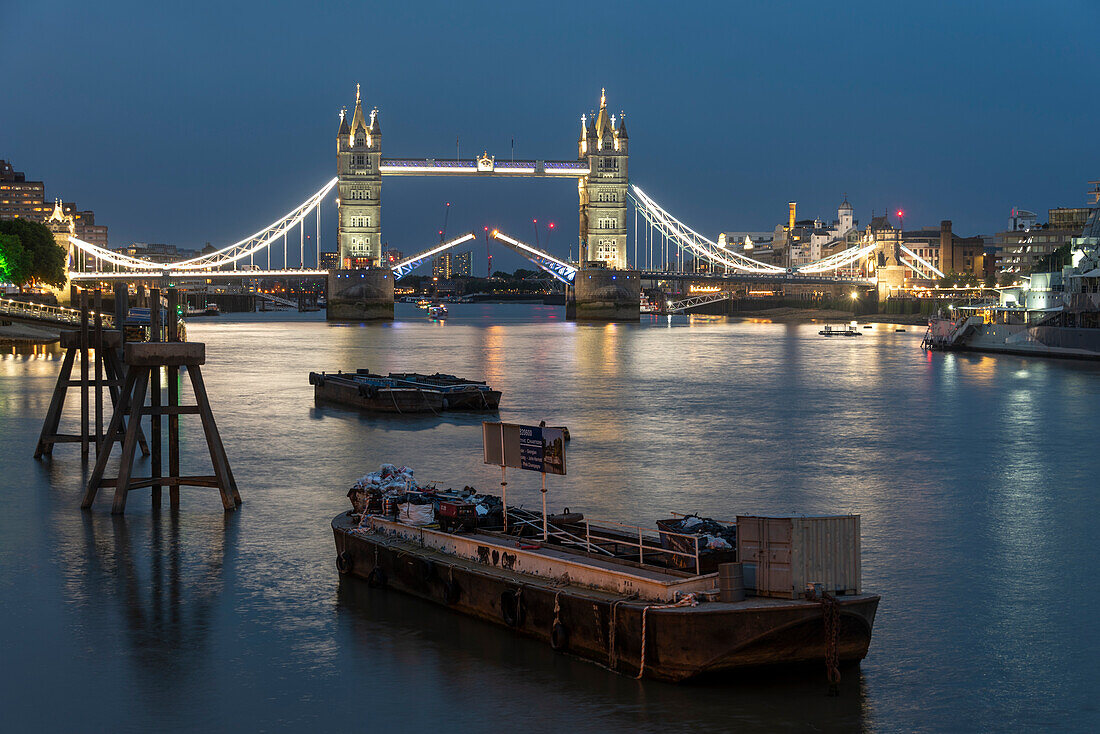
(845, 216)
(358, 157)
(603, 144)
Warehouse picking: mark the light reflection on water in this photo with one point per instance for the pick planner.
(973, 475)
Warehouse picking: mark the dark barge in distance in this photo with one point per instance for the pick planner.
(403, 392)
(580, 592)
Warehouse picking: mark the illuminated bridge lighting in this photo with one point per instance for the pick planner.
(560, 269)
(406, 266)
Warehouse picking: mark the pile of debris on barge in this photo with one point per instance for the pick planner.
(404, 392)
(694, 597)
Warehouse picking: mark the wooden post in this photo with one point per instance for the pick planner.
(122, 296)
(57, 404)
(97, 343)
(83, 374)
(112, 436)
(154, 394)
(129, 444)
(230, 498)
(144, 361)
(173, 402)
(116, 377)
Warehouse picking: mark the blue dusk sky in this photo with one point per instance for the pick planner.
(203, 121)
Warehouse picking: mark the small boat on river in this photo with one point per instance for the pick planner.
(404, 392)
(645, 603)
(843, 330)
(437, 311)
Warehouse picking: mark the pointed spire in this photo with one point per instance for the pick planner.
(357, 120)
(344, 129)
(622, 126)
(584, 126)
(603, 125)
(375, 126)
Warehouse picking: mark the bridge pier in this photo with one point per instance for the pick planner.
(600, 294)
(364, 294)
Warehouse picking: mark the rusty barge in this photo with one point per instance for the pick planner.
(662, 615)
(403, 392)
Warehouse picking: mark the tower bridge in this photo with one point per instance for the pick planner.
(602, 282)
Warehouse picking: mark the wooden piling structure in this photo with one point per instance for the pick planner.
(143, 360)
(105, 343)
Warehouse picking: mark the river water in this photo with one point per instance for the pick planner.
(976, 479)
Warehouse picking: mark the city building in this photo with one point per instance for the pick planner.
(391, 257)
(1068, 218)
(20, 198)
(803, 241)
(1020, 250)
(452, 265)
(1021, 220)
(330, 261)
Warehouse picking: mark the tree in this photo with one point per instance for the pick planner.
(46, 258)
(1054, 261)
(15, 263)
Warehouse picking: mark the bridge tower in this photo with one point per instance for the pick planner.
(358, 157)
(360, 289)
(603, 228)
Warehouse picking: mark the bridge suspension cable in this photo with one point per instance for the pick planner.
(841, 259)
(226, 255)
(259, 240)
(688, 238)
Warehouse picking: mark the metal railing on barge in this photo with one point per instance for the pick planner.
(601, 533)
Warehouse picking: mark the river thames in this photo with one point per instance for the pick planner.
(976, 479)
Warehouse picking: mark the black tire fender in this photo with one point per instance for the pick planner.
(451, 592)
(376, 579)
(511, 608)
(559, 636)
(343, 562)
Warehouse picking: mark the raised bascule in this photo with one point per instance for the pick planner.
(602, 283)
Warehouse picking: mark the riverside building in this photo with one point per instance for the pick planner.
(20, 198)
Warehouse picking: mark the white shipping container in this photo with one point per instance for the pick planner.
(790, 552)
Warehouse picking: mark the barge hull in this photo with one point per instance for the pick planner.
(346, 392)
(603, 627)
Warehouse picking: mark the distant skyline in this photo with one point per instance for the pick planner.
(193, 123)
